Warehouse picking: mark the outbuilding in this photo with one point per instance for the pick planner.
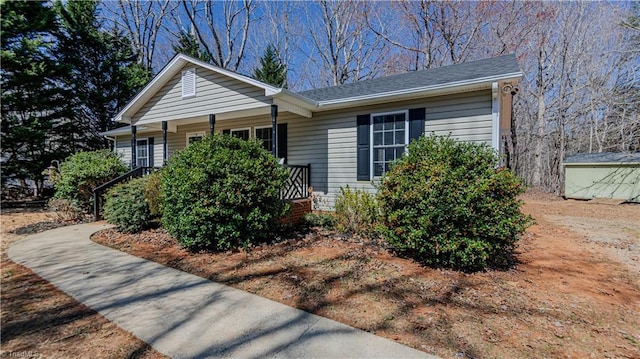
(603, 175)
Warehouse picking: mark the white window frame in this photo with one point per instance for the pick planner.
(189, 92)
(262, 128)
(193, 134)
(146, 147)
(371, 144)
(231, 131)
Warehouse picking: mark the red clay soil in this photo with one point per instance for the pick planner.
(40, 321)
(572, 295)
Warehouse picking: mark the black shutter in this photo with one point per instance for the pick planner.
(363, 139)
(282, 141)
(416, 123)
(226, 132)
(150, 149)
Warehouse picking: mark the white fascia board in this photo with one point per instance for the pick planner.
(170, 70)
(296, 99)
(293, 108)
(600, 164)
(269, 89)
(126, 130)
(161, 77)
(414, 92)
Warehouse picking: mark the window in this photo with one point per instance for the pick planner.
(241, 133)
(194, 137)
(389, 138)
(142, 153)
(264, 134)
(189, 83)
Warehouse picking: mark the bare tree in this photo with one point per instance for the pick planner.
(222, 28)
(345, 49)
(142, 22)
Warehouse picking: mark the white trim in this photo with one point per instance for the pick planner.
(495, 113)
(193, 134)
(171, 69)
(406, 136)
(146, 147)
(231, 131)
(255, 136)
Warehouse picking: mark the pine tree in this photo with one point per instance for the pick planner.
(188, 44)
(271, 69)
(63, 79)
(31, 101)
(101, 75)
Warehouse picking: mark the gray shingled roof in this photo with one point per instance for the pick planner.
(604, 157)
(467, 71)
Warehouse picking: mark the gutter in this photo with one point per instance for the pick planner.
(313, 105)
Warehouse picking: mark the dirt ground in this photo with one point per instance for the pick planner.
(39, 321)
(574, 294)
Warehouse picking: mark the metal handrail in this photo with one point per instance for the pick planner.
(99, 191)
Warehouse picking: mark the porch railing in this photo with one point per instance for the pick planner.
(98, 192)
(297, 186)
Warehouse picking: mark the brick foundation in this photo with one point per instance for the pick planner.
(300, 208)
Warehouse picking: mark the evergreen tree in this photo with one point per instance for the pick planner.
(63, 79)
(271, 70)
(30, 97)
(188, 44)
(101, 75)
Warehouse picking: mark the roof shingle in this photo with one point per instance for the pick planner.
(467, 71)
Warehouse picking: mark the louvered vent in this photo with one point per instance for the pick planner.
(189, 83)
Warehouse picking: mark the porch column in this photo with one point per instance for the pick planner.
(274, 130)
(212, 124)
(134, 154)
(165, 152)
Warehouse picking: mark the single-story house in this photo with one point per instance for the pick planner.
(346, 135)
(613, 175)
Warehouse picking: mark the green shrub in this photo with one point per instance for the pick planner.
(152, 193)
(325, 220)
(126, 207)
(356, 211)
(446, 204)
(80, 173)
(222, 193)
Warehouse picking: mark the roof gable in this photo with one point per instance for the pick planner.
(173, 68)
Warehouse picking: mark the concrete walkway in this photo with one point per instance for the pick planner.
(185, 316)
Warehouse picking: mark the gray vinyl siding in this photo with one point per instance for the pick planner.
(215, 93)
(327, 141)
(463, 117)
(123, 147)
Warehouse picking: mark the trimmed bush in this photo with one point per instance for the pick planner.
(324, 220)
(446, 204)
(80, 173)
(152, 193)
(126, 207)
(222, 193)
(356, 211)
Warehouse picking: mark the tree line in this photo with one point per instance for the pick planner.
(580, 91)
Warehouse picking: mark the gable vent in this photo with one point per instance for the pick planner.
(189, 82)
